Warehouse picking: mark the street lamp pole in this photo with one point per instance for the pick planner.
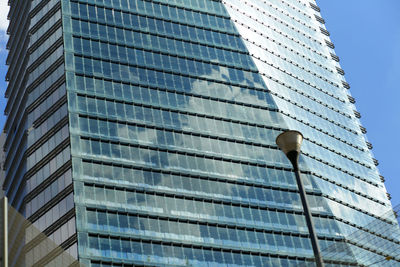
(290, 142)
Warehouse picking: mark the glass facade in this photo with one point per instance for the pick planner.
(151, 125)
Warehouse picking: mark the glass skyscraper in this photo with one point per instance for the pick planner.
(142, 133)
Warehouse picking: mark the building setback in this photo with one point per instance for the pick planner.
(143, 133)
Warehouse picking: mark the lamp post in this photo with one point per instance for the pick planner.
(290, 142)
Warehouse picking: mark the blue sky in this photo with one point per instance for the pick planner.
(366, 34)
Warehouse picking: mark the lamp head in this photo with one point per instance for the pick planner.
(290, 141)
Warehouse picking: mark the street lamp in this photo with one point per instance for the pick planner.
(290, 142)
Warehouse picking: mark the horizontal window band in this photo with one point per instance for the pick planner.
(47, 136)
(244, 182)
(278, 20)
(190, 76)
(283, 34)
(212, 248)
(310, 193)
(186, 112)
(46, 94)
(54, 201)
(48, 181)
(198, 59)
(50, 111)
(161, 3)
(76, 16)
(46, 159)
(48, 15)
(45, 55)
(206, 223)
(45, 74)
(215, 222)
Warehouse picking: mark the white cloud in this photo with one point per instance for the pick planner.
(3, 15)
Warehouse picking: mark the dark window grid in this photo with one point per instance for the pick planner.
(36, 184)
(45, 201)
(47, 146)
(54, 213)
(63, 233)
(37, 6)
(47, 113)
(205, 230)
(40, 58)
(37, 163)
(187, 34)
(44, 69)
(15, 137)
(55, 184)
(152, 106)
(47, 84)
(166, 46)
(46, 169)
(46, 127)
(186, 14)
(54, 54)
(30, 80)
(287, 25)
(14, 177)
(53, 96)
(46, 27)
(40, 48)
(43, 15)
